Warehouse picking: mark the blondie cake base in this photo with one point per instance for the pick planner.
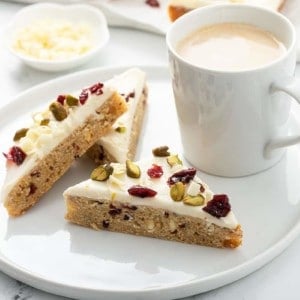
(148, 221)
(28, 190)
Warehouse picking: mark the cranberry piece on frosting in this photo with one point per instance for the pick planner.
(155, 172)
(218, 207)
(152, 3)
(16, 155)
(83, 96)
(61, 99)
(130, 95)
(184, 176)
(96, 88)
(141, 191)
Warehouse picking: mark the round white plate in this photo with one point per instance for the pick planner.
(43, 250)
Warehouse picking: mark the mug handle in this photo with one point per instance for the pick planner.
(291, 86)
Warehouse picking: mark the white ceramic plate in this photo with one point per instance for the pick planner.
(86, 14)
(43, 250)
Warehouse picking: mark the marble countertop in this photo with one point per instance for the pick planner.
(277, 280)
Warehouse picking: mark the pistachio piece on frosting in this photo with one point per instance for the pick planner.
(121, 129)
(161, 151)
(71, 101)
(44, 122)
(19, 134)
(177, 191)
(173, 160)
(102, 172)
(58, 111)
(132, 169)
(194, 200)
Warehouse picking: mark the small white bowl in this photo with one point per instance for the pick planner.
(71, 13)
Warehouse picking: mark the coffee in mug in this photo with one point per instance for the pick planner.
(230, 47)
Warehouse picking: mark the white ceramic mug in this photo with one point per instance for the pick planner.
(234, 123)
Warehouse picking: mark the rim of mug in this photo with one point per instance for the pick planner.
(186, 16)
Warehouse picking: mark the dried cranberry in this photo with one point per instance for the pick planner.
(184, 176)
(127, 217)
(155, 172)
(218, 207)
(83, 96)
(141, 191)
(115, 211)
(152, 3)
(35, 173)
(202, 188)
(61, 99)
(16, 155)
(32, 188)
(105, 223)
(130, 95)
(96, 88)
(132, 207)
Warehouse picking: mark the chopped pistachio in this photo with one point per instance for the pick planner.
(44, 122)
(19, 134)
(121, 129)
(58, 111)
(161, 151)
(174, 160)
(177, 191)
(71, 101)
(102, 172)
(132, 169)
(194, 200)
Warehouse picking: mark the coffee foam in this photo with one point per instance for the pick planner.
(230, 47)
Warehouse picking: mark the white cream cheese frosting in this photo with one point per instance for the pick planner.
(116, 189)
(130, 84)
(192, 4)
(40, 140)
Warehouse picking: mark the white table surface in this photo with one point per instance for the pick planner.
(280, 279)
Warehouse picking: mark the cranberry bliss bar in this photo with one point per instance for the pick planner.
(64, 131)
(159, 198)
(121, 141)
